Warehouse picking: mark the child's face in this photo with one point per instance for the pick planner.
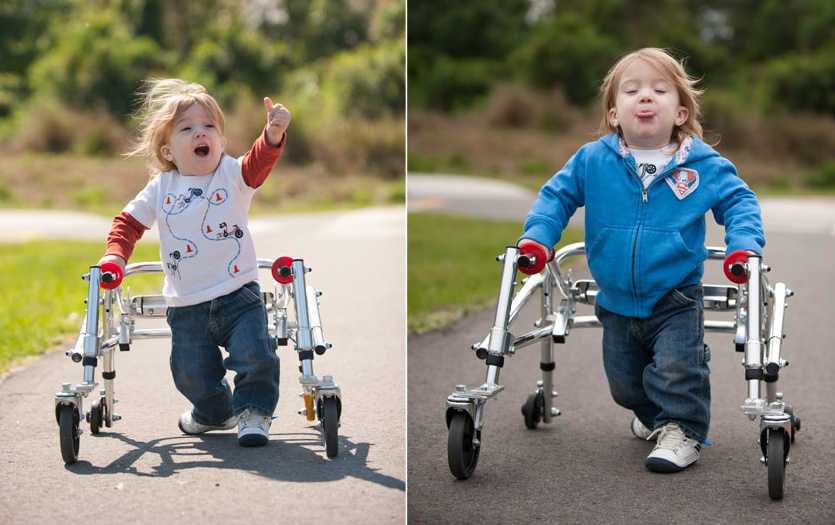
(647, 107)
(195, 144)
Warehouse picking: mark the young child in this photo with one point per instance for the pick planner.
(200, 197)
(647, 186)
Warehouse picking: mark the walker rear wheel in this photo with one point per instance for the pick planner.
(97, 416)
(533, 409)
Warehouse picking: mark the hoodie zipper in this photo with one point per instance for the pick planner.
(644, 200)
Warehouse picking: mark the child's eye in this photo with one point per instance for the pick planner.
(186, 128)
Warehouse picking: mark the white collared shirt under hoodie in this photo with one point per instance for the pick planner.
(205, 245)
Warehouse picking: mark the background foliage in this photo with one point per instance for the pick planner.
(524, 66)
(339, 65)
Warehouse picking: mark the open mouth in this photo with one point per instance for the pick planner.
(202, 150)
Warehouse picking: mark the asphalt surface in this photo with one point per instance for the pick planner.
(586, 466)
(144, 470)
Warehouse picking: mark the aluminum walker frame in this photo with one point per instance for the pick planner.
(110, 321)
(758, 334)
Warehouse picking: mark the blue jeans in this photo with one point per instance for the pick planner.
(237, 322)
(657, 367)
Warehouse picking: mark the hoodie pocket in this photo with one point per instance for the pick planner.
(663, 260)
(610, 258)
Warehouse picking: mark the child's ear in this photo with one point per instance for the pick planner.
(613, 118)
(681, 115)
(166, 153)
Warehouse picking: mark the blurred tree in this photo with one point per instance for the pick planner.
(229, 57)
(367, 82)
(457, 49)
(568, 53)
(96, 62)
(23, 24)
(482, 29)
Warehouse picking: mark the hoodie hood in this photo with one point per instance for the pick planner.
(692, 149)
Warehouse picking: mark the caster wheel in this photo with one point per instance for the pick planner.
(97, 416)
(776, 463)
(68, 432)
(463, 446)
(532, 409)
(330, 425)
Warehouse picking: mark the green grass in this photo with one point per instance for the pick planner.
(452, 267)
(42, 299)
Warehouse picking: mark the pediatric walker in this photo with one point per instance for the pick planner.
(757, 325)
(104, 328)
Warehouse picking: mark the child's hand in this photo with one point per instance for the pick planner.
(278, 119)
(113, 259)
(539, 252)
(531, 241)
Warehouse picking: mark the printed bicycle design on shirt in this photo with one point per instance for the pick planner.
(174, 205)
(225, 232)
(221, 231)
(212, 228)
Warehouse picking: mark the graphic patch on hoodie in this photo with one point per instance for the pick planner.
(683, 182)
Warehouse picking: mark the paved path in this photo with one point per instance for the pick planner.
(586, 467)
(144, 470)
(496, 199)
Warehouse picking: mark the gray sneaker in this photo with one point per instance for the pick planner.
(253, 429)
(640, 431)
(673, 451)
(188, 425)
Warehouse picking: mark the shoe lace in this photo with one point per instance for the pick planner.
(670, 437)
(251, 419)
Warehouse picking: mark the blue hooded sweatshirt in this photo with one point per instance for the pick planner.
(643, 243)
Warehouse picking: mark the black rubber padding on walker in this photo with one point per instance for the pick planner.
(108, 375)
(124, 347)
(547, 367)
(305, 354)
(497, 360)
(769, 378)
(753, 373)
(90, 361)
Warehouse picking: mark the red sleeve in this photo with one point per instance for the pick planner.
(259, 161)
(124, 234)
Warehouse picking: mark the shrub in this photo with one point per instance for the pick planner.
(803, 82)
(823, 177)
(50, 128)
(515, 106)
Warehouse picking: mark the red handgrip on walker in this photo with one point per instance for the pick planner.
(111, 275)
(536, 251)
(282, 270)
(734, 266)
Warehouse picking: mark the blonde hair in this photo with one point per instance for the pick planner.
(673, 72)
(163, 101)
